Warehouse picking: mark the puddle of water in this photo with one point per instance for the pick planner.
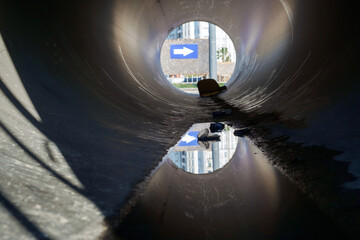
(204, 148)
(247, 199)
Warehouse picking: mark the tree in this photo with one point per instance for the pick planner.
(223, 54)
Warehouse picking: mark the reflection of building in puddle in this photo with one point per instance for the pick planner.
(192, 157)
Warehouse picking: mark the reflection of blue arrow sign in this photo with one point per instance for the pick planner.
(190, 139)
(183, 51)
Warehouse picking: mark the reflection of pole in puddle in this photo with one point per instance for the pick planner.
(256, 168)
(215, 155)
(205, 148)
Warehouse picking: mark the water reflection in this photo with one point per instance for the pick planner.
(247, 199)
(205, 148)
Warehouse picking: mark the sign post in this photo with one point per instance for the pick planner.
(212, 52)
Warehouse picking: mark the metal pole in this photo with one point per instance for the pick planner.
(212, 52)
(215, 155)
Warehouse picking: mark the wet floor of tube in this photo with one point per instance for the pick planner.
(245, 199)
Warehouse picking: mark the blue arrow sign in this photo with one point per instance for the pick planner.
(190, 139)
(183, 51)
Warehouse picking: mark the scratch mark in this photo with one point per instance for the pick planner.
(127, 67)
(290, 14)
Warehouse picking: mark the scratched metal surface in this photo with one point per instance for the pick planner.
(86, 113)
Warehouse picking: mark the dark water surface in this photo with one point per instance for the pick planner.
(246, 199)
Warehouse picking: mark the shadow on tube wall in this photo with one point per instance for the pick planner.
(93, 134)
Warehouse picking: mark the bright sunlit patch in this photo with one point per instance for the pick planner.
(13, 84)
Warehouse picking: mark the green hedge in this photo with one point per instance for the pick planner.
(185, 85)
(180, 85)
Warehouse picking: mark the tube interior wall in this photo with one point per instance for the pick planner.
(86, 111)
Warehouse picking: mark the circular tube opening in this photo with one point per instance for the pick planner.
(185, 55)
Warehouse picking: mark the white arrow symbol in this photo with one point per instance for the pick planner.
(188, 138)
(184, 51)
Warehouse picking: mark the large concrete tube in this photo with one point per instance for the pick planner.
(86, 112)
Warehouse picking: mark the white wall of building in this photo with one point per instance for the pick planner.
(223, 40)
